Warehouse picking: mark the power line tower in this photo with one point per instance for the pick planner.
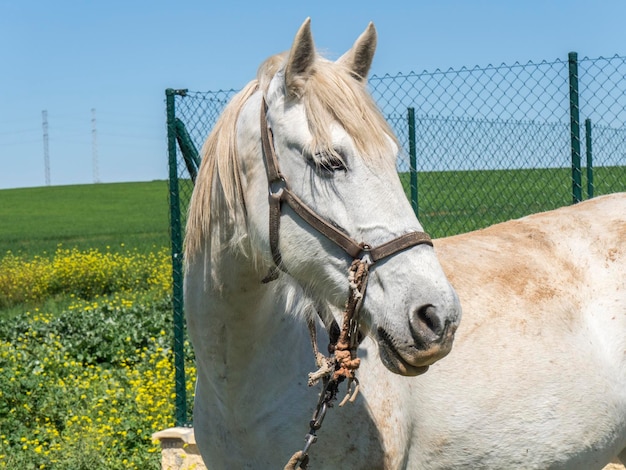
(46, 153)
(94, 146)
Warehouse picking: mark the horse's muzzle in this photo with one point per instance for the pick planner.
(431, 339)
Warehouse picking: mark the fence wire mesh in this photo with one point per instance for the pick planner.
(479, 145)
(495, 143)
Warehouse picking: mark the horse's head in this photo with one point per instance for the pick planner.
(337, 154)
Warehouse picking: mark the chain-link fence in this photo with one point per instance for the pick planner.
(479, 146)
(496, 143)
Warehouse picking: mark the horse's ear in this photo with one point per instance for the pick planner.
(359, 58)
(301, 57)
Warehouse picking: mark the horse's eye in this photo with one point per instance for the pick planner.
(330, 162)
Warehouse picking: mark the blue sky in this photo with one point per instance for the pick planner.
(118, 57)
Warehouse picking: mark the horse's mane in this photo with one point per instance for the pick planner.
(219, 173)
(330, 94)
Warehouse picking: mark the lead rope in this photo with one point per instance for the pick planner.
(342, 364)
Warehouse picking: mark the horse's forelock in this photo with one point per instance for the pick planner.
(332, 94)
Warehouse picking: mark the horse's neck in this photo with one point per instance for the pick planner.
(253, 354)
(256, 347)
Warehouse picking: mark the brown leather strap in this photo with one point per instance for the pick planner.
(279, 192)
(398, 244)
(348, 245)
(267, 140)
(275, 211)
(275, 179)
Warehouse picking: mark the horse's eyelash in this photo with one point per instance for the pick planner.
(328, 161)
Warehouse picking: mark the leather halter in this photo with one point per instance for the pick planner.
(280, 192)
(363, 254)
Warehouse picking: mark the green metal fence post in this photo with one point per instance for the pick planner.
(574, 110)
(177, 259)
(413, 161)
(589, 158)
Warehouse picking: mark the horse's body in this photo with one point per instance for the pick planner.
(538, 377)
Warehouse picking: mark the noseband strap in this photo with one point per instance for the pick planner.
(280, 192)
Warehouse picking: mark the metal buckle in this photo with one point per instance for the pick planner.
(365, 253)
(277, 186)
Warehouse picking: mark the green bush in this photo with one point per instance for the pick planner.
(82, 274)
(87, 387)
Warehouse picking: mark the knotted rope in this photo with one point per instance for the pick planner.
(342, 364)
(345, 350)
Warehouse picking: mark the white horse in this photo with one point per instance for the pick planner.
(537, 379)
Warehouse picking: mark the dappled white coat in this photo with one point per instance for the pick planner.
(536, 377)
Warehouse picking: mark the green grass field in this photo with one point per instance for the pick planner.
(37, 220)
(456, 202)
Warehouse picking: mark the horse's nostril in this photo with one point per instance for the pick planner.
(426, 323)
